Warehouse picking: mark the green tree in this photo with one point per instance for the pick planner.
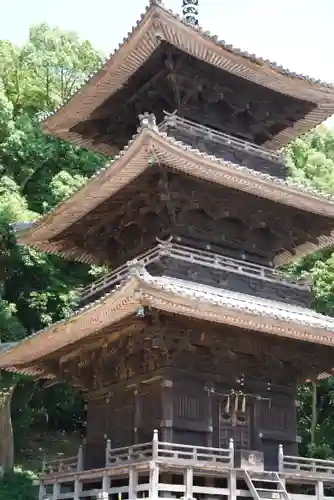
(311, 162)
(45, 71)
(37, 172)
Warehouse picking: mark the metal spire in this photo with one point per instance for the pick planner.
(190, 11)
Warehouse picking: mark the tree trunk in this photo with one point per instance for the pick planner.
(6, 430)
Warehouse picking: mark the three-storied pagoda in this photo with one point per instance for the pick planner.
(193, 333)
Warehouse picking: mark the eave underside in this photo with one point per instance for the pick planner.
(139, 347)
(306, 103)
(173, 81)
(143, 297)
(162, 202)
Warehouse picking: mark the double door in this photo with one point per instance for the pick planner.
(235, 425)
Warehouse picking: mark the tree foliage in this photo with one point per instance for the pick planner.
(37, 172)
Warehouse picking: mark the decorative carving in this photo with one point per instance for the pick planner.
(161, 204)
(198, 92)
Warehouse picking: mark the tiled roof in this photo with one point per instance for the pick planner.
(179, 297)
(158, 24)
(150, 146)
(243, 302)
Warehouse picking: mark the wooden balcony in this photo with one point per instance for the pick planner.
(195, 257)
(308, 468)
(169, 470)
(221, 145)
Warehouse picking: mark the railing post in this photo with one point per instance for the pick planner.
(80, 461)
(280, 458)
(108, 449)
(105, 486)
(154, 468)
(231, 450)
(155, 445)
(154, 481)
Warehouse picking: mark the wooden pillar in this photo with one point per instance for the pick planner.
(232, 484)
(77, 488)
(105, 486)
(133, 482)
(167, 410)
(154, 481)
(319, 490)
(80, 466)
(56, 491)
(154, 468)
(41, 490)
(189, 481)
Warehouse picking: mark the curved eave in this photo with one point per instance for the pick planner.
(177, 297)
(159, 25)
(149, 146)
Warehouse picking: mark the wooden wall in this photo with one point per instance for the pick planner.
(185, 412)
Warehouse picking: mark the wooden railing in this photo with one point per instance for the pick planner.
(64, 464)
(110, 280)
(153, 450)
(159, 450)
(68, 481)
(203, 131)
(170, 452)
(188, 254)
(128, 454)
(304, 465)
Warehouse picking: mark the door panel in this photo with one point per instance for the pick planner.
(235, 425)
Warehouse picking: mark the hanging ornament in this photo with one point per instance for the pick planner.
(228, 403)
(236, 402)
(243, 407)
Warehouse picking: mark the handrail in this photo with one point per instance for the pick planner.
(120, 273)
(152, 450)
(290, 463)
(241, 144)
(195, 256)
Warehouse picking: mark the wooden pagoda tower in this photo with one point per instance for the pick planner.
(194, 332)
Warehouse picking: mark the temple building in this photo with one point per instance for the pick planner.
(189, 352)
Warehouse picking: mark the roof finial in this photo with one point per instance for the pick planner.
(190, 11)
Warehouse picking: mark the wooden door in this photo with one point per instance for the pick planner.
(237, 426)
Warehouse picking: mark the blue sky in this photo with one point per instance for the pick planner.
(294, 33)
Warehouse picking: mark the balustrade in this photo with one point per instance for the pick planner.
(305, 465)
(141, 468)
(194, 256)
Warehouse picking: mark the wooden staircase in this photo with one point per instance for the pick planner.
(266, 486)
